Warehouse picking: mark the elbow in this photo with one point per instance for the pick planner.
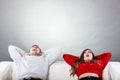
(65, 56)
(109, 53)
(10, 47)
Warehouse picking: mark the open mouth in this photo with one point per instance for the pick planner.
(87, 55)
(33, 50)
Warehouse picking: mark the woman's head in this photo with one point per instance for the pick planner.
(35, 50)
(87, 55)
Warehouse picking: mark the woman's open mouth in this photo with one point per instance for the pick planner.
(87, 55)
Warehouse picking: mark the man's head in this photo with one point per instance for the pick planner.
(35, 51)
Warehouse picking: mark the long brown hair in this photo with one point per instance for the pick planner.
(81, 60)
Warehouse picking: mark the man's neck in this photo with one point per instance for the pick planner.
(35, 54)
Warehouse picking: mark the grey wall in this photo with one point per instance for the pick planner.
(72, 25)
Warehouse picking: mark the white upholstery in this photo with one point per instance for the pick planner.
(5, 70)
(114, 70)
(106, 72)
(58, 71)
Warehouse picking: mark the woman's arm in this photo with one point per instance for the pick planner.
(104, 57)
(15, 53)
(70, 59)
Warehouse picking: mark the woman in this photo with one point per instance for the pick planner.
(88, 66)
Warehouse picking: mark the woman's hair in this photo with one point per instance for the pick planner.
(81, 60)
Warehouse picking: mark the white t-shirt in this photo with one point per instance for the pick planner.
(35, 66)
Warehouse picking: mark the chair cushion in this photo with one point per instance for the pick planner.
(5, 70)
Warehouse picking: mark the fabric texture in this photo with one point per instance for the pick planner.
(5, 70)
(114, 70)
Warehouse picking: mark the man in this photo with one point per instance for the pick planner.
(33, 65)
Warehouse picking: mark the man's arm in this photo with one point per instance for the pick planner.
(15, 53)
(52, 55)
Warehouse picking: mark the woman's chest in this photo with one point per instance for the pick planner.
(90, 66)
